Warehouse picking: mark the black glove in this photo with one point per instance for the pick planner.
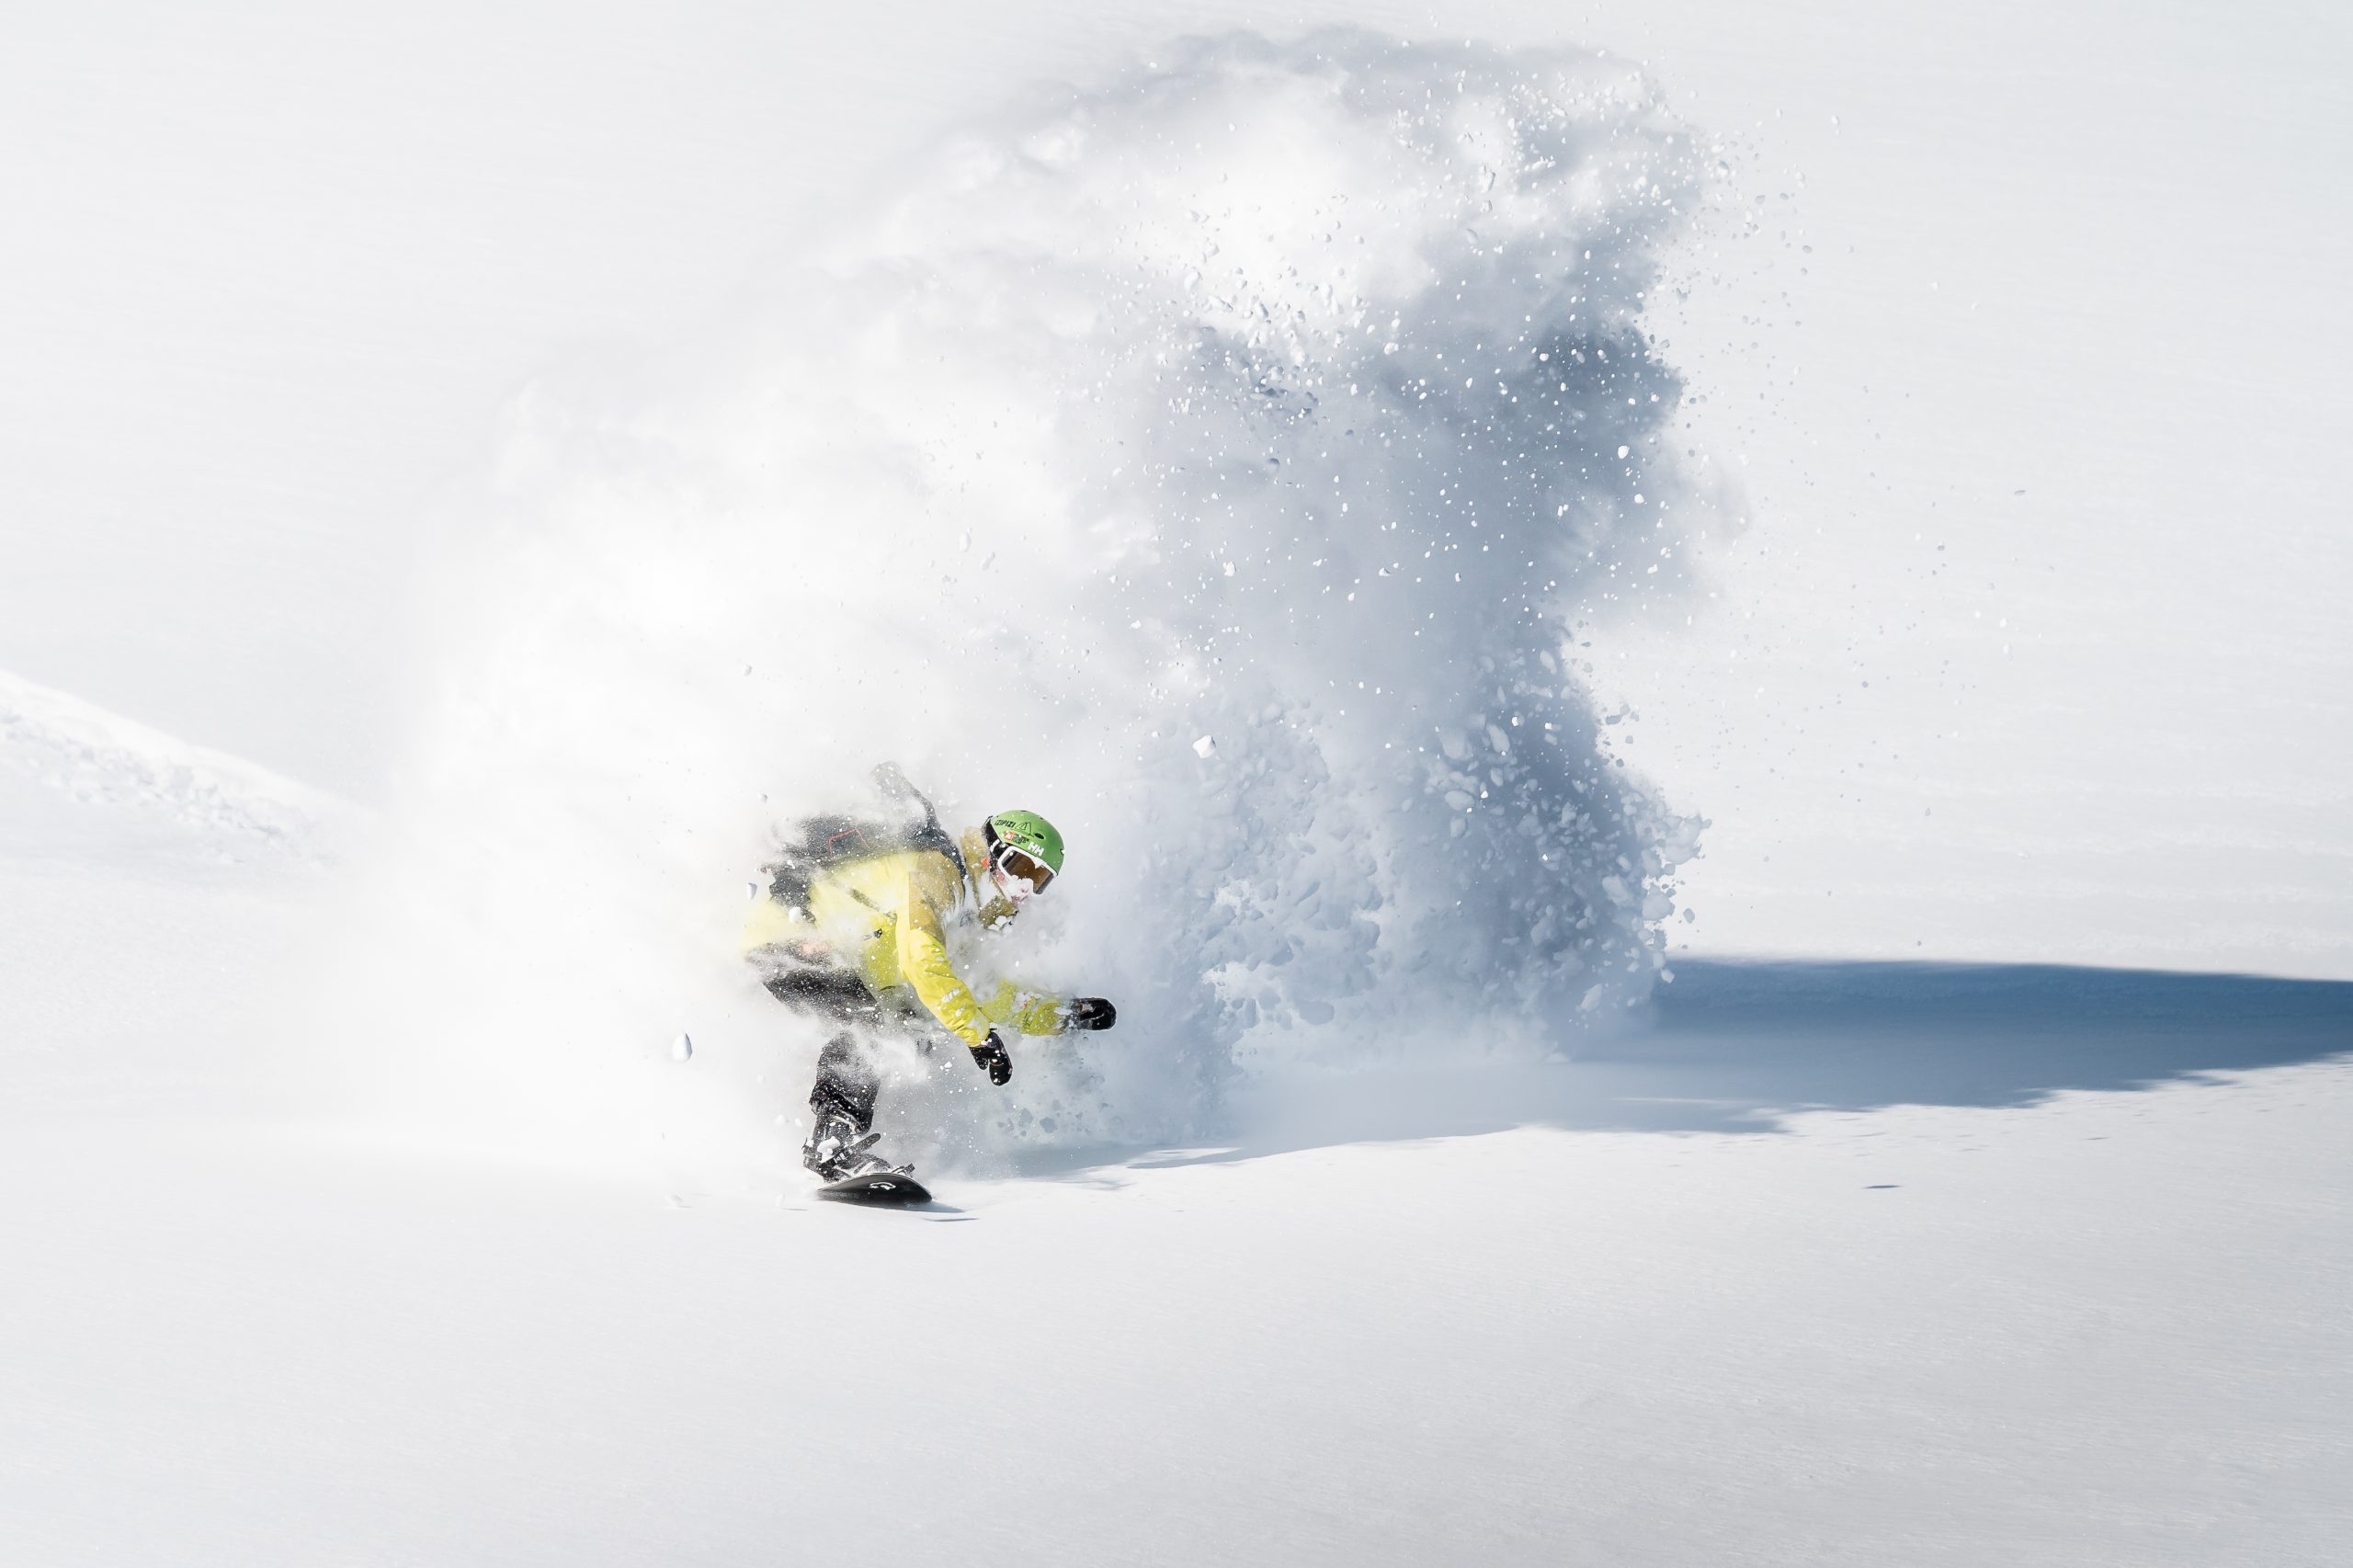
(989, 1057)
(1089, 1013)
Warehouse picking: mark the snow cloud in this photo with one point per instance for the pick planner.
(1232, 462)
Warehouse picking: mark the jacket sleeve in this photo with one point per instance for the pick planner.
(923, 964)
(1031, 1012)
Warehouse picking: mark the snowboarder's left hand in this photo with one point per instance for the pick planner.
(990, 1058)
(1089, 1013)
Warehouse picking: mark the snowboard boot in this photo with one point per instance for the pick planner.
(837, 1150)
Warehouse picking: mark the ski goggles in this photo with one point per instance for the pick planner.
(1022, 866)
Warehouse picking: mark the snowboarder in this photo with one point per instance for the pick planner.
(854, 926)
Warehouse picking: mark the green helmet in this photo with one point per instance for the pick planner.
(1031, 833)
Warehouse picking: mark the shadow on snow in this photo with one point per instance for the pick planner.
(1735, 1047)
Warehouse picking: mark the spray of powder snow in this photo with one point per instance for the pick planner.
(1226, 464)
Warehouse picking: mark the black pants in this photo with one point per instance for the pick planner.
(847, 1078)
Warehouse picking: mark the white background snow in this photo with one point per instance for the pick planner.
(356, 1208)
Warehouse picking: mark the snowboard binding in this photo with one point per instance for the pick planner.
(837, 1150)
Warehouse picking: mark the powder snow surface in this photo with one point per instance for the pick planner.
(1607, 1312)
(1834, 1264)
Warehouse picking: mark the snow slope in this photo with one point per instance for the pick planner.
(1476, 1322)
(1833, 1264)
(158, 904)
(101, 759)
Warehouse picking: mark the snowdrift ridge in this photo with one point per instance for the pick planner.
(87, 753)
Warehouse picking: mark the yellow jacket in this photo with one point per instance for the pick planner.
(886, 918)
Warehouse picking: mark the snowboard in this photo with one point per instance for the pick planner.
(880, 1189)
